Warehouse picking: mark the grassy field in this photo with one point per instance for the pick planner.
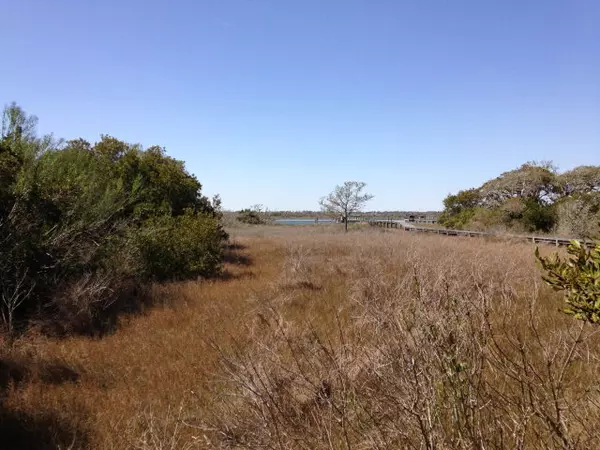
(319, 339)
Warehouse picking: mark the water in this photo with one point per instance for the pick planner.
(302, 221)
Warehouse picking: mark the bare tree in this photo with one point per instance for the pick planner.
(12, 295)
(346, 200)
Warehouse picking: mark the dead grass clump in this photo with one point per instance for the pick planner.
(299, 267)
(436, 345)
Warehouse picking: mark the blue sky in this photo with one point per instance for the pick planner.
(277, 101)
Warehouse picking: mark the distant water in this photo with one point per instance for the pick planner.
(302, 221)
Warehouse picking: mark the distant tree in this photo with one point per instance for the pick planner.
(534, 197)
(536, 181)
(17, 124)
(459, 208)
(346, 200)
(464, 199)
(255, 215)
(581, 180)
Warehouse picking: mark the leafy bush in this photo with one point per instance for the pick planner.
(79, 222)
(457, 220)
(180, 247)
(252, 216)
(460, 208)
(532, 198)
(538, 217)
(579, 277)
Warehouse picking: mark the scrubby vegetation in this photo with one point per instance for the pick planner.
(256, 215)
(83, 226)
(532, 198)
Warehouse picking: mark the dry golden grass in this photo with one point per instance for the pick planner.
(316, 339)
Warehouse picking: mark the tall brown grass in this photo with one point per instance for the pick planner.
(319, 339)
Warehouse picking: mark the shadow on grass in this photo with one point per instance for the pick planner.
(16, 371)
(19, 431)
(42, 430)
(236, 246)
(131, 298)
(234, 256)
(98, 321)
(301, 285)
(228, 275)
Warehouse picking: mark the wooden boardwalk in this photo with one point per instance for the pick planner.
(407, 226)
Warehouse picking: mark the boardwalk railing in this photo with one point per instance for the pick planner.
(406, 226)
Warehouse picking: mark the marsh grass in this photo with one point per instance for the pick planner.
(319, 339)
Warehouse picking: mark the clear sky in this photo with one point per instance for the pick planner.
(277, 101)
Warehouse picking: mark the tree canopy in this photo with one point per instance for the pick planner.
(345, 200)
(534, 197)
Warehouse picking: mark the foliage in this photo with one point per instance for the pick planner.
(254, 215)
(579, 215)
(459, 209)
(180, 247)
(579, 277)
(582, 179)
(533, 180)
(463, 200)
(538, 217)
(457, 220)
(74, 212)
(346, 200)
(532, 198)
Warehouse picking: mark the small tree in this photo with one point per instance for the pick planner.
(255, 215)
(345, 200)
(579, 277)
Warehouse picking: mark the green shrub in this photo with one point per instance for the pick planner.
(460, 208)
(579, 277)
(538, 217)
(457, 220)
(79, 222)
(532, 198)
(251, 217)
(180, 247)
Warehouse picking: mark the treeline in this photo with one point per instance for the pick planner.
(84, 226)
(532, 198)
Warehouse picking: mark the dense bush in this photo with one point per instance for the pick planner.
(80, 221)
(180, 247)
(538, 217)
(532, 198)
(252, 216)
(459, 209)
